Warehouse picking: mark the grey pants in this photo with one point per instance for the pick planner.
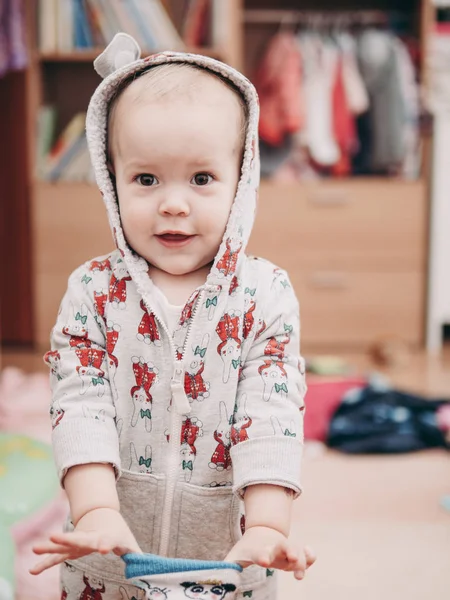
(80, 585)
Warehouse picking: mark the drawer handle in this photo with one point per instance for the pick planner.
(330, 199)
(329, 280)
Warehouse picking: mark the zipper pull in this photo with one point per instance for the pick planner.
(180, 400)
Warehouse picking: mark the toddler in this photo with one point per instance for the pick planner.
(177, 382)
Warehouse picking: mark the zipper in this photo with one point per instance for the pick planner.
(180, 407)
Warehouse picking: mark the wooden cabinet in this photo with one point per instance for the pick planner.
(356, 254)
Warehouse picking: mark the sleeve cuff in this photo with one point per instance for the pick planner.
(83, 441)
(267, 460)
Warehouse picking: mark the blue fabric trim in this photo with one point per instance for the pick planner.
(141, 565)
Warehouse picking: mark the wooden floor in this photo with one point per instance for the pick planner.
(375, 523)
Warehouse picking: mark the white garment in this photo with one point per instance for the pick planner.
(320, 62)
(170, 312)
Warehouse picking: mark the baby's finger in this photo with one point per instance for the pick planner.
(50, 548)
(310, 556)
(77, 539)
(50, 561)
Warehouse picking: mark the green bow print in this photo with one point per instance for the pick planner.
(287, 433)
(82, 318)
(188, 464)
(269, 572)
(285, 284)
(86, 279)
(288, 328)
(145, 461)
(250, 291)
(201, 351)
(248, 594)
(212, 302)
(236, 363)
(146, 413)
(97, 381)
(281, 388)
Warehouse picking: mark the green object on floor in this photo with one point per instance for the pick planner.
(327, 365)
(6, 564)
(445, 503)
(28, 480)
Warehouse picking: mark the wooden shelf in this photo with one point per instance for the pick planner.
(90, 54)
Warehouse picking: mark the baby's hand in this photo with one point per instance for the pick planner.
(271, 549)
(101, 530)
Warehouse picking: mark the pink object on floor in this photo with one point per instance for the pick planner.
(322, 399)
(25, 404)
(24, 409)
(26, 533)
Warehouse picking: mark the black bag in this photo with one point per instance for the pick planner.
(374, 420)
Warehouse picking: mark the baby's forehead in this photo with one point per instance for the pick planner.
(171, 82)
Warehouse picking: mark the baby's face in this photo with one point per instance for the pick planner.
(177, 165)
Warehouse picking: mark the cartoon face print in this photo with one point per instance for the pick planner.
(274, 378)
(227, 264)
(249, 319)
(148, 331)
(53, 359)
(187, 454)
(118, 286)
(280, 279)
(153, 592)
(229, 348)
(76, 326)
(140, 462)
(195, 386)
(90, 370)
(221, 459)
(56, 413)
(242, 422)
(278, 429)
(100, 265)
(234, 286)
(146, 376)
(261, 328)
(208, 590)
(94, 588)
(100, 299)
(112, 337)
(212, 302)
(90, 413)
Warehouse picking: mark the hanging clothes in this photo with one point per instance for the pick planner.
(13, 52)
(354, 109)
(279, 85)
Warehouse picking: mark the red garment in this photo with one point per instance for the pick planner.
(279, 85)
(343, 124)
(322, 399)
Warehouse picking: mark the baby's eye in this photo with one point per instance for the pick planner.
(146, 179)
(201, 179)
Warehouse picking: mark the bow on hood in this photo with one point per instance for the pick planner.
(118, 62)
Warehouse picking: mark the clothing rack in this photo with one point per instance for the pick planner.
(318, 18)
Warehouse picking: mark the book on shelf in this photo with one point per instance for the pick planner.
(206, 22)
(69, 25)
(45, 132)
(67, 158)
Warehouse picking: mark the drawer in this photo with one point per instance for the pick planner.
(70, 226)
(355, 309)
(354, 224)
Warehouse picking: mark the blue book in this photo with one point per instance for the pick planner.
(71, 152)
(83, 34)
(144, 28)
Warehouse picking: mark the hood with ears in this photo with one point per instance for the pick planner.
(122, 59)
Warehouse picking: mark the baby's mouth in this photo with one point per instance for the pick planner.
(173, 240)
